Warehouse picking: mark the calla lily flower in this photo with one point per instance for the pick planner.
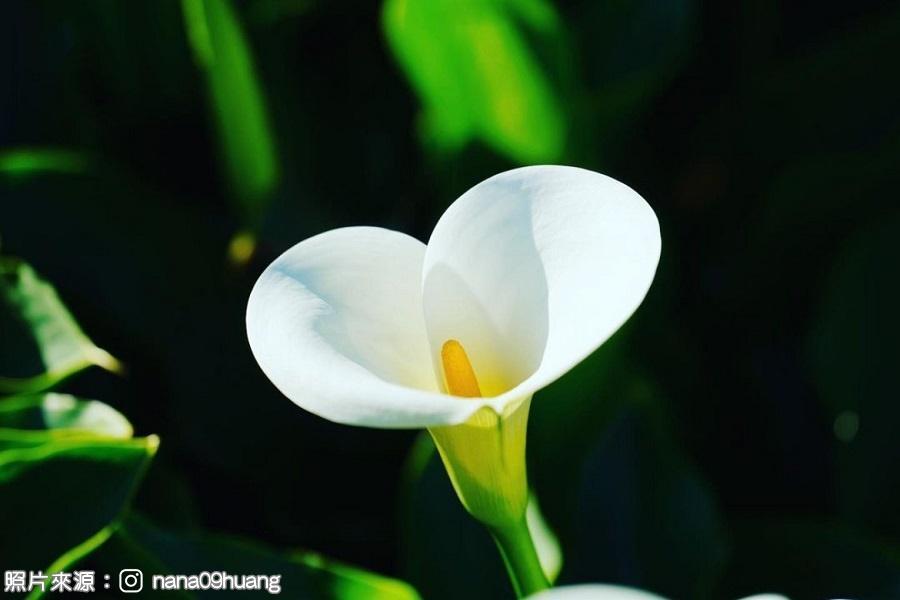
(594, 591)
(523, 277)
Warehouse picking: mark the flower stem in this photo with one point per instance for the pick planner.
(520, 556)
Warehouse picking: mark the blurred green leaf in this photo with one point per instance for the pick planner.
(620, 36)
(815, 203)
(627, 504)
(644, 516)
(35, 318)
(267, 12)
(636, 49)
(29, 162)
(472, 67)
(576, 408)
(221, 49)
(447, 553)
(63, 414)
(58, 496)
(140, 544)
(818, 101)
(807, 559)
(852, 351)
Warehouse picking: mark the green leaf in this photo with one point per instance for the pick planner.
(644, 516)
(33, 315)
(577, 408)
(626, 503)
(626, 72)
(140, 544)
(446, 552)
(475, 74)
(62, 414)
(57, 494)
(809, 559)
(68, 469)
(819, 100)
(852, 351)
(28, 162)
(811, 206)
(221, 49)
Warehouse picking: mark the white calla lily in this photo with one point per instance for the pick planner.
(598, 591)
(524, 276)
(594, 591)
(531, 270)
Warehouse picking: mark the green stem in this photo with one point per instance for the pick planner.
(520, 556)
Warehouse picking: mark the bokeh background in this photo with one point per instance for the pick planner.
(739, 435)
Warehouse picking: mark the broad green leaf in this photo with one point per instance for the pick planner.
(852, 350)
(140, 544)
(41, 341)
(57, 495)
(446, 553)
(476, 76)
(809, 559)
(270, 12)
(577, 408)
(221, 49)
(819, 100)
(73, 556)
(812, 205)
(63, 414)
(636, 47)
(28, 162)
(68, 469)
(643, 515)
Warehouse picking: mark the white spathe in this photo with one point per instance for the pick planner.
(597, 591)
(530, 270)
(594, 591)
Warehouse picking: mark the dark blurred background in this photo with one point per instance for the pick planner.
(739, 435)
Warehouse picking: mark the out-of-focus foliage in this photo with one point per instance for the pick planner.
(139, 544)
(30, 162)
(806, 558)
(650, 519)
(641, 503)
(476, 75)
(637, 48)
(221, 50)
(855, 364)
(36, 319)
(62, 415)
(41, 460)
(52, 443)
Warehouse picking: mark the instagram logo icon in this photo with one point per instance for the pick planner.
(131, 581)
